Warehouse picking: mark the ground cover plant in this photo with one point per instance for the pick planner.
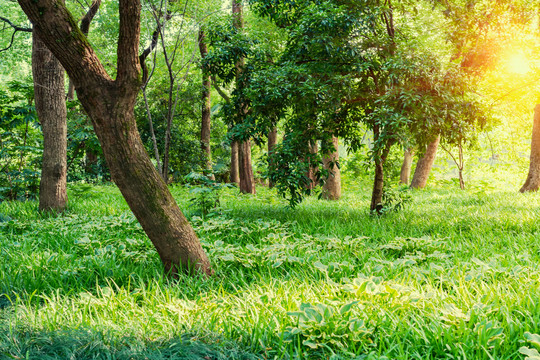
(454, 275)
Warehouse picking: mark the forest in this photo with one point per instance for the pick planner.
(270, 179)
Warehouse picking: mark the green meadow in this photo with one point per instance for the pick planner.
(454, 275)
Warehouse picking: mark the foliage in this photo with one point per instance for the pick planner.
(395, 198)
(205, 193)
(442, 277)
(20, 143)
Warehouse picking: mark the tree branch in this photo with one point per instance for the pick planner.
(128, 66)
(57, 28)
(87, 19)
(220, 91)
(16, 29)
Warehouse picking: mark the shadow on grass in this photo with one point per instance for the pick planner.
(89, 344)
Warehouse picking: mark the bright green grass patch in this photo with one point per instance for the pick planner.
(456, 275)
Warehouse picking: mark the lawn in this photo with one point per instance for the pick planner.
(455, 275)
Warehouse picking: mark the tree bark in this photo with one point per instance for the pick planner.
(234, 172)
(378, 183)
(49, 94)
(272, 141)
(332, 187)
(405, 174)
(533, 178)
(313, 167)
(110, 105)
(423, 167)
(245, 169)
(206, 108)
(247, 182)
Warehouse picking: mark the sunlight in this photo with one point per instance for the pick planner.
(518, 64)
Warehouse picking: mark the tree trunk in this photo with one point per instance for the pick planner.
(247, 181)
(245, 169)
(234, 176)
(313, 168)
(332, 187)
(378, 183)
(533, 179)
(90, 162)
(205, 121)
(272, 141)
(405, 174)
(110, 105)
(49, 94)
(423, 167)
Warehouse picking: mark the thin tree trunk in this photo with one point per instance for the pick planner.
(533, 178)
(332, 187)
(423, 167)
(405, 174)
(272, 141)
(245, 168)
(206, 120)
(247, 183)
(90, 162)
(378, 183)
(110, 104)
(235, 172)
(313, 166)
(49, 94)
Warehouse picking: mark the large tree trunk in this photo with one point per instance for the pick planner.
(49, 94)
(247, 181)
(205, 121)
(110, 104)
(332, 187)
(533, 179)
(272, 141)
(405, 174)
(423, 167)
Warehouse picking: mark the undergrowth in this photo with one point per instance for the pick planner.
(454, 275)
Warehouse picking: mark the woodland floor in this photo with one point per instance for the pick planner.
(455, 275)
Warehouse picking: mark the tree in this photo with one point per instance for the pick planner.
(110, 105)
(348, 64)
(424, 164)
(533, 178)
(332, 186)
(245, 169)
(49, 94)
(406, 166)
(206, 110)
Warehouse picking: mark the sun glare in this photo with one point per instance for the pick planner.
(518, 64)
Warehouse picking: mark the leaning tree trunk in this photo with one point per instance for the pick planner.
(49, 94)
(110, 105)
(272, 141)
(332, 187)
(423, 167)
(247, 181)
(405, 174)
(206, 109)
(533, 179)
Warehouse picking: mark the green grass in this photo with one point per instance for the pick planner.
(455, 275)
